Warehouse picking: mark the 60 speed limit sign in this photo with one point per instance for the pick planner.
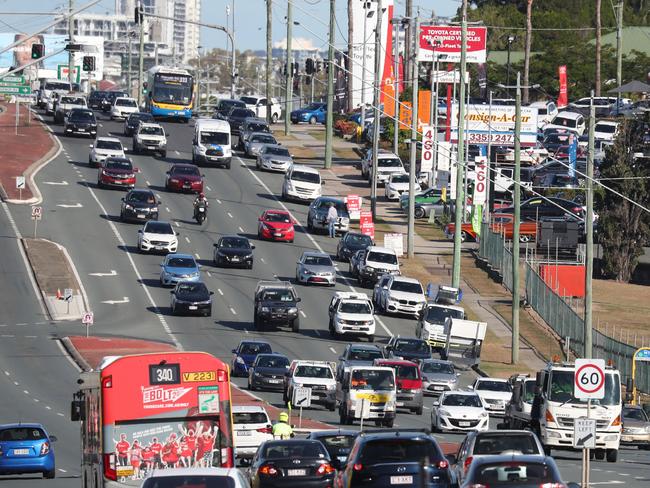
(589, 379)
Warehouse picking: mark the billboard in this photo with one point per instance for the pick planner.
(496, 125)
(364, 21)
(449, 40)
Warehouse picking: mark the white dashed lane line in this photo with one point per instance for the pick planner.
(220, 292)
(167, 209)
(229, 215)
(333, 350)
(197, 255)
(303, 314)
(218, 201)
(187, 239)
(233, 311)
(240, 229)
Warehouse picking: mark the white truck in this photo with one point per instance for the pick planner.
(559, 410)
(464, 339)
(258, 105)
(367, 392)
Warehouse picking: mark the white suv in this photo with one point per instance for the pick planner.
(351, 314)
(316, 375)
(494, 392)
(123, 107)
(387, 164)
(301, 183)
(105, 147)
(399, 294)
(150, 137)
(251, 427)
(397, 184)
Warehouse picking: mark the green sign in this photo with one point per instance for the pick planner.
(12, 80)
(16, 90)
(62, 72)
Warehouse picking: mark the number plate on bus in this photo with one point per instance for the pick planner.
(198, 376)
(401, 480)
(296, 472)
(21, 452)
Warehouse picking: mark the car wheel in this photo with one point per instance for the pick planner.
(256, 320)
(228, 165)
(331, 406)
(419, 410)
(251, 387)
(312, 119)
(295, 324)
(524, 238)
(419, 213)
(163, 154)
(388, 423)
(49, 475)
(209, 312)
(274, 118)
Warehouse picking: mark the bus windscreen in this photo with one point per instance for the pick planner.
(172, 88)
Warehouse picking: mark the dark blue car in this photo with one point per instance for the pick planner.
(245, 355)
(312, 113)
(26, 448)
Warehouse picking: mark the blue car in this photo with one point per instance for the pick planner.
(26, 448)
(179, 267)
(245, 355)
(312, 113)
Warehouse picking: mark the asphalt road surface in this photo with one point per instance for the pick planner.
(88, 226)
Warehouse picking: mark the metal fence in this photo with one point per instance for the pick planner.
(558, 311)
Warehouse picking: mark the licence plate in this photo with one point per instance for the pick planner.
(141, 216)
(81, 130)
(21, 452)
(118, 182)
(275, 381)
(234, 258)
(463, 424)
(437, 388)
(278, 234)
(399, 404)
(296, 472)
(192, 307)
(244, 432)
(401, 480)
(159, 248)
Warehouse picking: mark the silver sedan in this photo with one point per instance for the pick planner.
(256, 141)
(274, 158)
(316, 267)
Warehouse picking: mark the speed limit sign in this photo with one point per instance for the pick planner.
(589, 379)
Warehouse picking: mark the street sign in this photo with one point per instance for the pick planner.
(67, 294)
(37, 213)
(584, 433)
(427, 148)
(642, 355)
(20, 182)
(394, 241)
(64, 69)
(16, 90)
(589, 379)
(16, 80)
(301, 397)
(363, 409)
(353, 203)
(87, 318)
(480, 182)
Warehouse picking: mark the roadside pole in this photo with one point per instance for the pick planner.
(589, 227)
(269, 63)
(289, 76)
(366, 5)
(141, 57)
(329, 115)
(71, 41)
(488, 196)
(396, 84)
(129, 81)
(619, 49)
(377, 115)
(410, 236)
(516, 202)
(433, 113)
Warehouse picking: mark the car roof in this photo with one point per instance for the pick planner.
(253, 341)
(257, 133)
(248, 408)
(332, 432)
(499, 380)
(386, 250)
(108, 139)
(164, 473)
(140, 190)
(358, 345)
(607, 122)
(233, 236)
(22, 424)
(302, 167)
(391, 434)
(569, 115)
(330, 199)
(150, 124)
(179, 255)
(460, 392)
(502, 458)
(394, 362)
(439, 361)
(316, 254)
(277, 211)
(183, 165)
(255, 120)
(405, 279)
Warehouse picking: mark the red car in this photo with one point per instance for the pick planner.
(184, 177)
(116, 171)
(276, 225)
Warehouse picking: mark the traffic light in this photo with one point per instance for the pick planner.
(138, 13)
(88, 63)
(295, 68)
(319, 66)
(38, 51)
(309, 66)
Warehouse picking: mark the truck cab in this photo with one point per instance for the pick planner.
(518, 409)
(368, 392)
(211, 143)
(316, 375)
(431, 323)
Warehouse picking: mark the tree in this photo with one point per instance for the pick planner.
(624, 228)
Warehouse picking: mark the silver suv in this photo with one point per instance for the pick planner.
(150, 137)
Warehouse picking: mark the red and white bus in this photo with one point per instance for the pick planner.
(146, 412)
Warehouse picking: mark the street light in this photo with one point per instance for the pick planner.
(511, 39)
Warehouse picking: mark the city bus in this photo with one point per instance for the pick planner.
(145, 412)
(170, 93)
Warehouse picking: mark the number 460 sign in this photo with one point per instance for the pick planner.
(480, 182)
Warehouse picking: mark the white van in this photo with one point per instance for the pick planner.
(546, 111)
(301, 183)
(572, 121)
(211, 143)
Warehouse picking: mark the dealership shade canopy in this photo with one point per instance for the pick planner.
(632, 87)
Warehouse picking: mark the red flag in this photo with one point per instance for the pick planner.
(563, 99)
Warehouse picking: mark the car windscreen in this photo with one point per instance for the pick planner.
(437, 367)
(372, 379)
(73, 101)
(186, 170)
(606, 128)
(151, 131)
(313, 106)
(337, 444)
(111, 145)
(564, 122)
(141, 197)
(413, 345)
(406, 287)
(254, 348)
(306, 177)
(400, 178)
(191, 480)
(313, 372)
(438, 315)
(192, 288)
(355, 307)
(181, 263)
(382, 257)
(359, 240)
(563, 180)
(273, 362)
(294, 450)
(389, 163)
(278, 296)
(242, 113)
(462, 401)
(318, 261)
(278, 217)
(250, 418)
(82, 116)
(214, 137)
(277, 151)
(487, 385)
(504, 441)
(21, 434)
(258, 128)
(396, 450)
(634, 414)
(513, 473)
(158, 228)
(125, 102)
(365, 354)
(235, 243)
(144, 117)
(264, 139)
(118, 164)
(407, 372)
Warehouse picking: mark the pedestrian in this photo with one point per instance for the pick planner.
(332, 218)
(282, 429)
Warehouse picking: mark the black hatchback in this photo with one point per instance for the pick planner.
(350, 243)
(139, 205)
(132, 122)
(234, 251)
(80, 121)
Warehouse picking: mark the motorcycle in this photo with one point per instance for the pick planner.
(200, 214)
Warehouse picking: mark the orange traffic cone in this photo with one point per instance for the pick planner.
(59, 295)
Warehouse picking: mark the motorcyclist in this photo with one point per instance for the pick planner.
(200, 201)
(282, 429)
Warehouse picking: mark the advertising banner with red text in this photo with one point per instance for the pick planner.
(447, 40)
(563, 99)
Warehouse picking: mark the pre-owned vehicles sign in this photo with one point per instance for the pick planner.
(495, 125)
(445, 42)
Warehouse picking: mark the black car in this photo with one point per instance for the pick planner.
(540, 207)
(294, 462)
(132, 122)
(234, 251)
(191, 298)
(267, 372)
(236, 118)
(350, 243)
(408, 348)
(95, 98)
(514, 471)
(80, 121)
(338, 443)
(276, 302)
(139, 205)
(107, 101)
(224, 107)
(396, 457)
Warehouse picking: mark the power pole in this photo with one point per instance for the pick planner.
(619, 48)
(289, 77)
(366, 6)
(516, 202)
(460, 163)
(408, 13)
(198, 82)
(529, 36)
(410, 236)
(141, 57)
(598, 47)
(129, 81)
(233, 74)
(269, 55)
(396, 83)
(71, 37)
(377, 115)
(329, 116)
(589, 228)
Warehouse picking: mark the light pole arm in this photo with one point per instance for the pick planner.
(202, 24)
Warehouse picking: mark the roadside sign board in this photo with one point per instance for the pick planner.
(67, 294)
(87, 318)
(16, 80)
(480, 182)
(589, 379)
(363, 409)
(301, 397)
(63, 70)
(37, 213)
(444, 41)
(394, 241)
(16, 90)
(427, 148)
(353, 203)
(20, 182)
(496, 124)
(584, 433)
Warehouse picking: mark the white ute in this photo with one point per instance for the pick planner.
(351, 314)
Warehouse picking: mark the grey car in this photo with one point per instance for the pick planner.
(438, 376)
(636, 427)
(250, 126)
(274, 158)
(315, 267)
(317, 216)
(257, 141)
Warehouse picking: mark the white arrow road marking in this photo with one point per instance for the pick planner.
(64, 183)
(114, 302)
(112, 273)
(64, 205)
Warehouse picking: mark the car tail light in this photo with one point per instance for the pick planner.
(222, 375)
(357, 466)
(468, 461)
(268, 470)
(325, 468)
(549, 416)
(109, 467)
(552, 485)
(45, 448)
(577, 210)
(478, 485)
(617, 421)
(265, 430)
(444, 464)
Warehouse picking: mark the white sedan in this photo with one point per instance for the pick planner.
(459, 411)
(397, 184)
(157, 236)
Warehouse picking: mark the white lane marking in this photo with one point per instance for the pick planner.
(262, 259)
(47, 407)
(16, 383)
(36, 400)
(112, 273)
(187, 239)
(115, 302)
(220, 292)
(246, 331)
(309, 236)
(147, 183)
(22, 323)
(60, 183)
(101, 125)
(333, 350)
(65, 205)
(67, 356)
(208, 188)
(7, 373)
(60, 414)
(218, 201)
(233, 311)
(177, 224)
(62, 470)
(177, 153)
(197, 255)
(167, 209)
(209, 274)
(229, 215)
(303, 314)
(30, 337)
(26, 392)
(240, 229)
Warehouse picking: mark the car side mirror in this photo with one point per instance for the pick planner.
(211, 293)
(322, 183)
(252, 247)
(234, 351)
(171, 291)
(436, 403)
(167, 173)
(470, 387)
(53, 438)
(159, 202)
(90, 146)
(298, 299)
(136, 170)
(122, 199)
(161, 265)
(139, 231)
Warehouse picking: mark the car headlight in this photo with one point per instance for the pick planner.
(369, 322)
(173, 180)
(331, 387)
(239, 360)
(146, 240)
(444, 413)
(293, 310)
(297, 385)
(153, 209)
(483, 415)
(248, 256)
(128, 207)
(256, 374)
(342, 322)
(265, 309)
(307, 272)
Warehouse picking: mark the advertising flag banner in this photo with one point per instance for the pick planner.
(563, 99)
(449, 43)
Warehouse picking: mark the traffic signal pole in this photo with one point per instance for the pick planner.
(516, 202)
(71, 41)
(141, 56)
(589, 228)
(329, 115)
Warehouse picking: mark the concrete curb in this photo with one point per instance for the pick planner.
(74, 354)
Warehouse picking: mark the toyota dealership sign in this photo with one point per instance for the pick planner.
(447, 42)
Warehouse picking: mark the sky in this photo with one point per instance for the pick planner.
(250, 19)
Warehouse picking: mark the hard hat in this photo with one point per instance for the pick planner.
(284, 417)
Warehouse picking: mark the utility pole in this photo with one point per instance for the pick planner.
(460, 163)
(410, 236)
(329, 115)
(71, 37)
(619, 48)
(198, 82)
(589, 228)
(377, 115)
(366, 6)
(129, 81)
(516, 202)
(396, 82)
(434, 116)
(233, 74)
(269, 55)
(598, 47)
(529, 36)
(408, 13)
(289, 76)
(141, 57)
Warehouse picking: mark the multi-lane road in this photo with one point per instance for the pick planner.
(127, 300)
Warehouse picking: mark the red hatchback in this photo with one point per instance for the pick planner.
(276, 225)
(184, 177)
(116, 171)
